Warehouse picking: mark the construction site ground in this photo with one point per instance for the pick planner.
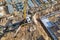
(31, 31)
(24, 34)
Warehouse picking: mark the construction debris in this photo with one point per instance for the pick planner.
(29, 20)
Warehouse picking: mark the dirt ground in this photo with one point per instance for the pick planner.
(24, 34)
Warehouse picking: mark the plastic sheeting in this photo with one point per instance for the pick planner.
(10, 8)
(30, 3)
(38, 2)
(8, 1)
(17, 1)
(45, 1)
(19, 6)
